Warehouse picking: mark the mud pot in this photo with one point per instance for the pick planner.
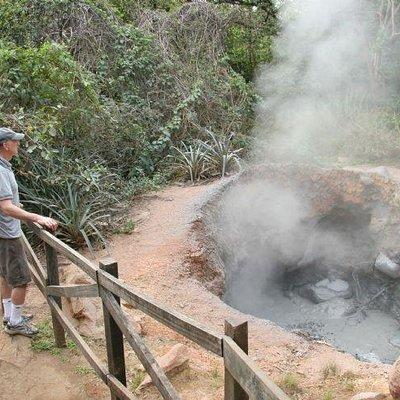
(297, 245)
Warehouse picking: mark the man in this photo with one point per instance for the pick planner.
(14, 272)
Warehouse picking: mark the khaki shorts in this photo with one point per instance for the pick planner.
(13, 263)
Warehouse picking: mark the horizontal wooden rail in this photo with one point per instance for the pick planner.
(72, 255)
(179, 323)
(249, 376)
(156, 373)
(73, 290)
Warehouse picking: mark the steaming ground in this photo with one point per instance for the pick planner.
(368, 338)
(298, 245)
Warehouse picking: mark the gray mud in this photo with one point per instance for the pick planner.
(371, 335)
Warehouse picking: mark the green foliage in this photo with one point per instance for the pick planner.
(107, 90)
(328, 395)
(221, 153)
(249, 44)
(44, 340)
(215, 156)
(330, 370)
(192, 159)
(46, 76)
(290, 384)
(80, 199)
(126, 228)
(83, 370)
(216, 379)
(137, 379)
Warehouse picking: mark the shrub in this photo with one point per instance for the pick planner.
(192, 159)
(78, 197)
(290, 384)
(221, 154)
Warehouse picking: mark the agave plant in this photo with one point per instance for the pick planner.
(81, 216)
(193, 159)
(80, 200)
(220, 152)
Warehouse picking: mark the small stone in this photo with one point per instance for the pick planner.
(174, 361)
(326, 290)
(368, 357)
(369, 396)
(127, 305)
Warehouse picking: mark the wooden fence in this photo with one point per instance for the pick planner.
(243, 378)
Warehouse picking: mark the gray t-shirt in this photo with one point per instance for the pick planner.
(10, 228)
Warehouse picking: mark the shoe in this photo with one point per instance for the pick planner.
(21, 329)
(25, 318)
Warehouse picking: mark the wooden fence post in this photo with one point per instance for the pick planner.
(53, 279)
(114, 337)
(239, 333)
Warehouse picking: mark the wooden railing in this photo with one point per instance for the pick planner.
(243, 378)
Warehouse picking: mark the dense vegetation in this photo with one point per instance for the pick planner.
(108, 91)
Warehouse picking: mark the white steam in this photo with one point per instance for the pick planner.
(321, 80)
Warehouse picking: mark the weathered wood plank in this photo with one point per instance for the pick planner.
(92, 359)
(238, 331)
(179, 323)
(53, 279)
(90, 290)
(249, 376)
(156, 373)
(37, 279)
(114, 337)
(34, 259)
(72, 255)
(119, 390)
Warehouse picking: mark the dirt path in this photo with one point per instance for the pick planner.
(154, 259)
(26, 374)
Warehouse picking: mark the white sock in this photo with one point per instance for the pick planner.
(16, 311)
(7, 308)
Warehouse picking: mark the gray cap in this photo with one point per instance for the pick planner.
(8, 134)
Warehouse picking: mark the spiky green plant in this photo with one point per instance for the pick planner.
(79, 199)
(221, 152)
(81, 216)
(193, 159)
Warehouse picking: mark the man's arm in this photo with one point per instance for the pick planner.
(11, 210)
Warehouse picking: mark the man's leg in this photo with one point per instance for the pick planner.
(5, 290)
(18, 295)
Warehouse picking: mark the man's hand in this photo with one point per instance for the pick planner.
(47, 222)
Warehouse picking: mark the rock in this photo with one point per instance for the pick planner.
(174, 361)
(387, 266)
(336, 308)
(84, 313)
(369, 396)
(368, 357)
(127, 305)
(325, 290)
